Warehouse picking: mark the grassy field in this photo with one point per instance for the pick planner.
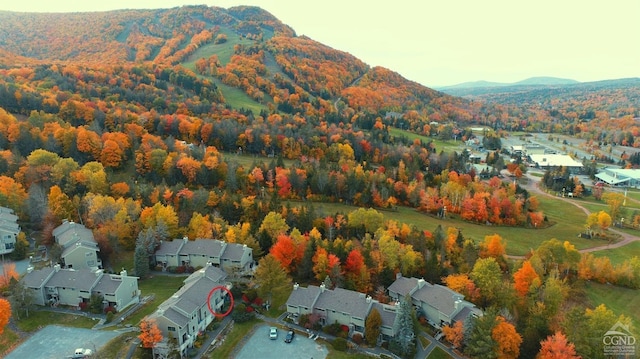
(619, 300)
(568, 223)
(117, 347)
(619, 255)
(38, 319)
(447, 146)
(224, 50)
(235, 97)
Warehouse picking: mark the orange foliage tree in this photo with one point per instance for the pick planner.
(150, 335)
(5, 314)
(557, 346)
(8, 272)
(523, 278)
(508, 339)
(454, 333)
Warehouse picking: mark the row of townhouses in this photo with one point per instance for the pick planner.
(231, 257)
(9, 230)
(440, 305)
(53, 286)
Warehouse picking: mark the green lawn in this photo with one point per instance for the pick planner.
(162, 287)
(8, 340)
(424, 341)
(619, 300)
(233, 338)
(438, 353)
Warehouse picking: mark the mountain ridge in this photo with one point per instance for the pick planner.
(536, 80)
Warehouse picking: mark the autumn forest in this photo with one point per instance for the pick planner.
(223, 123)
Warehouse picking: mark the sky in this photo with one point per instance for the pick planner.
(441, 43)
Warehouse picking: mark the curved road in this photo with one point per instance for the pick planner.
(533, 186)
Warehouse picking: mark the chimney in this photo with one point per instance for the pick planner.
(421, 283)
(368, 299)
(29, 269)
(98, 273)
(457, 304)
(398, 275)
(185, 239)
(322, 288)
(56, 267)
(209, 264)
(296, 286)
(123, 272)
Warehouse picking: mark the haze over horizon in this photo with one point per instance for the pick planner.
(447, 43)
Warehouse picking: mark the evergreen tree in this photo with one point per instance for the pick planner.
(478, 342)
(403, 343)
(141, 260)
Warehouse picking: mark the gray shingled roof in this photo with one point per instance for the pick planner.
(191, 296)
(344, 301)
(170, 247)
(233, 251)
(437, 296)
(303, 297)
(388, 317)
(107, 284)
(403, 285)
(176, 317)
(77, 233)
(463, 314)
(87, 246)
(208, 247)
(36, 278)
(69, 278)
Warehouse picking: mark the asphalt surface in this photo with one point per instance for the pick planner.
(58, 342)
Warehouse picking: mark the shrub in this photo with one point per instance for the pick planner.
(340, 344)
(240, 314)
(83, 306)
(357, 338)
(303, 320)
(110, 316)
(181, 269)
(110, 309)
(251, 295)
(333, 329)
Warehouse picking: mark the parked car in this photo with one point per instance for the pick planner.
(273, 333)
(289, 337)
(82, 353)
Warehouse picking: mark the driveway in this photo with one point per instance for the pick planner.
(58, 342)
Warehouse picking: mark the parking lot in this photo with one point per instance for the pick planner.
(260, 346)
(58, 342)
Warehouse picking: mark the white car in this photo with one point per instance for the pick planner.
(273, 333)
(82, 353)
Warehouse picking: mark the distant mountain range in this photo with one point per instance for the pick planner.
(532, 81)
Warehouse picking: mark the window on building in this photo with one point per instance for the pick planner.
(171, 329)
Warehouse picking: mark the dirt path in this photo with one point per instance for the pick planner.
(533, 185)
